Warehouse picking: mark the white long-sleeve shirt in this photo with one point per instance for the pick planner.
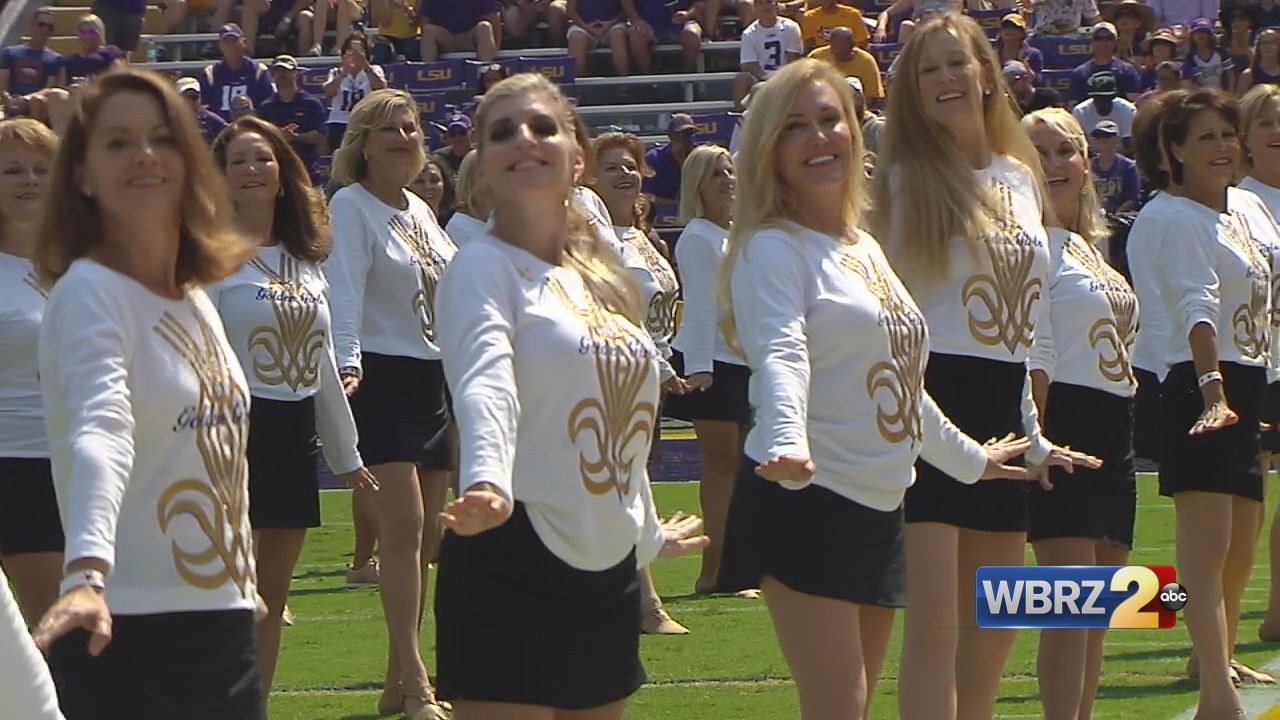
(699, 252)
(22, 301)
(1269, 195)
(1086, 332)
(276, 315)
(26, 689)
(148, 418)
(462, 228)
(383, 274)
(837, 350)
(659, 290)
(1147, 239)
(1261, 219)
(556, 401)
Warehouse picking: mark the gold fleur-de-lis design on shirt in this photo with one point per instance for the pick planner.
(430, 264)
(662, 309)
(1111, 336)
(32, 282)
(1250, 322)
(612, 431)
(902, 378)
(221, 426)
(292, 349)
(1007, 296)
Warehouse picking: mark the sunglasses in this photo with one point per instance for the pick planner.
(87, 33)
(45, 25)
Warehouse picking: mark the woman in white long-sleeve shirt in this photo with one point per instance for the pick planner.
(1212, 279)
(1083, 385)
(148, 415)
(388, 256)
(474, 206)
(716, 374)
(276, 315)
(556, 388)
(31, 539)
(837, 350)
(958, 206)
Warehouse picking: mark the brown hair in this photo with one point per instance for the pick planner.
(29, 133)
(449, 193)
(300, 222)
(208, 248)
(634, 147)
(1165, 122)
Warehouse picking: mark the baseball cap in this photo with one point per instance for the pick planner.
(1106, 128)
(680, 123)
(855, 83)
(460, 121)
(230, 30)
(188, 85)
(1202, 25)
(1104, 27)
(1102, 84)
(288, 62)
(1014, 69)
(1014, 19)
(1164, 34)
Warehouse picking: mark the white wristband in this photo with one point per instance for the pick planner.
(1211, 376)
(81, 578)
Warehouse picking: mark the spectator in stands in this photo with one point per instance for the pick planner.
(920, 10)
(122, 20)
(458, 135)
(1104, 60)
(818, 23)
(277, 17)
(399, 37)
(520, 16)
(349, 83)
(598, 23)
(24, 69)
(1240, 24)
(234, 75)
(1115, 176)
(852, 62)
(1265, 67)
(489, 75)
(1182, 12)
(210, 123)
(471, 216)
(1207, 65)
(1062, 17)
(1159, 47)
(94, 57)
(241, 106)
(1013, 45)
(657, 21)
(301, 115)
(870, 123)
(1168, 77)
(460, 26)
(667, 159)
(1104, 104)
(1133, 20)
(435, 186)
(1020, 81)
(744, 8)
(348, 12)
(767, 44)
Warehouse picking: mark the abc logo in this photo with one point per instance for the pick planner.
(1173, 597)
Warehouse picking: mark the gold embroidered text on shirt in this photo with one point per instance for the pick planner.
(430, 267)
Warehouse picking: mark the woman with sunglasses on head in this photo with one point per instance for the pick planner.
(556, 386)
(147, 411)
(1083, 385)
(973, 251)
(94, 57)
(388, 256)
(1204, 264)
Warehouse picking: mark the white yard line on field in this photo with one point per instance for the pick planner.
(1257, 699)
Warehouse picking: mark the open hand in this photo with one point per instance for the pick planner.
(681, 534)
(360, 479)
(699, 381)
(676, 386)
(82, 608)
(1217, 416)
(999, 452)
(787, 469)
(478, 509)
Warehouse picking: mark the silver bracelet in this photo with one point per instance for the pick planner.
(1211, 376)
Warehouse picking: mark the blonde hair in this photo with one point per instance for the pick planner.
(470, 194)
(762, 199)
(370, 115)
(29, 133)
(922, 179)
(633, 146)
(696, 171)
(97, 23)
(1090, 222)
(1252, 107)
(598, 266)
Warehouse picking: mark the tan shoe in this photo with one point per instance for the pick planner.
(420, 703)
(658, 622)
(286, 617)
(366, 576)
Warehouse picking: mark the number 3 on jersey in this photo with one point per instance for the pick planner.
(775, 55)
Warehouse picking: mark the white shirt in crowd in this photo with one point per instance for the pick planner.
(1122, 113)
(1270, 196)
(699, 254)
(1217, 273)
(353, 89)
(22, 301)
(462, 228)
(148, 419)
(1182, 12)
(1263, 227)
(276, 314)
(771, 46)
(26, 689)
(1146, 240)
(659, 290)
(556, 401)
(382, 276)
(837, 350)
(1086, 330)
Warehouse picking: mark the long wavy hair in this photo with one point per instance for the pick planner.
(1090, 221)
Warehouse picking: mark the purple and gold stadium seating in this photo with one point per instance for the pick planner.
(989, 20)
(558, 69)
(426, 77)
(1063, 51)
(1059, 80)
(885, 53)
(715, 128)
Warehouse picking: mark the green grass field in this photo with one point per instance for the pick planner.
(729, 667)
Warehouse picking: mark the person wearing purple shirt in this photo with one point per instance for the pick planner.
(596, 23)
(460, 26)
(655, 21)
(1115, 176)
(94, 57)
(1012, 45)
(1104, 60)
(667, 161)
(210, 124)
(301, 115)
(234, 75)
(25, 69)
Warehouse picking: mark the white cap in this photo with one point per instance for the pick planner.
(855, 83)
(188, 84)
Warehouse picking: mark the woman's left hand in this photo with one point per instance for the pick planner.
(682, 534)
(675, 386)
(1065, 458)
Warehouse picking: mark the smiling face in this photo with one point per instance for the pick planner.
(717, 190)
(1269, 46)
(528, 148)
(429, 186)
(1211, 151)
(41, 28)
(132, 164)
(392, 148)
(814, 146)
(951, 85)
(90, 40)
(618, 179)
(1065, 168)
(1161, 51)
(1104, 45)
(1262, 139)
(253, 173)
(24, 181)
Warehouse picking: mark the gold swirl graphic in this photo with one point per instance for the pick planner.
(1114, 334)
(1008, 295)
(430, 264)
(612, 431)
(1250, 323)
(291, 350)
(221, 426)
(660, 317)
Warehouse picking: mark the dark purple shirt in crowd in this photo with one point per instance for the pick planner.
(1127, 80)
(29, 69)
(596, 10)
(665, 181)
(658, 14)
(210, 124)
(457, 16)
(86, 65)
(133, 7)
(304, 110)
(1116, 186)
(219, 83)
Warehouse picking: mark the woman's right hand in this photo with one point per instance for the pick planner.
(82, 608)
(1216, 416)
(791, 469)
(698, 381)
(478, 509)
(350, 382)
(999, 453)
